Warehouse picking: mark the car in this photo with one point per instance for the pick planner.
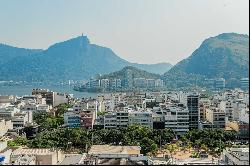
(203, 154)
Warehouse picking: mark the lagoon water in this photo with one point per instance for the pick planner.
(20, 90)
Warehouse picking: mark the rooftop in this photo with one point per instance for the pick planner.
(73, 159)
(22, 151)
(107, 149)
(25, 160)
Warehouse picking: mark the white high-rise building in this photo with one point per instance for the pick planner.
(141, 118)
(177, 119)
(244, 83)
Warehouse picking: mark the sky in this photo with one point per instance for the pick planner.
(142, 31)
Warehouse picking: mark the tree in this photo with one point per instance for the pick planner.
(204, 147)
(148, 145)
(19, 141)
(61, 108)
(171, 148)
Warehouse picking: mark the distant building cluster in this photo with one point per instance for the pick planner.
(17, 112)
(220, 83)
(127, 83)
(180, 111)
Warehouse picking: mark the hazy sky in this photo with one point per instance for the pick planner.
(143, 31)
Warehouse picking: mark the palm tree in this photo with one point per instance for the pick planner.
(204, 147)
(189, 146)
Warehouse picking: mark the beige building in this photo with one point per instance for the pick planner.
(216, 116)
(43, 156)
(5, 125)
(4, 151)
(7, 99)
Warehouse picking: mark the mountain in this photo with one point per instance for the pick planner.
(225, 55)
(136, 73)
(159, 68)
(8, 53)
(74, 59)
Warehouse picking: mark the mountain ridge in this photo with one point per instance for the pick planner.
(75, 59)
(225, 55)
(136, 73)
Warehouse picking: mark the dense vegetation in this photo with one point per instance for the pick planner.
(212, 140)
(81, 140)
(48, 121)
(150, 140)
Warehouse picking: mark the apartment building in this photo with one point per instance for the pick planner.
(227, 107)
(105, 83)
(204, 103)
(110, 120)
(177, 119)
(144, 118)
(72, 119)
(8, 112)
(159, 83)
(115, 83)
(150, 83)
(45, 93)
(239, 108)
(94, 83)
(84, 118)
(52, 98)
(216, 116)
(122, 119)
(87, 118)
(5, 125)
(21, 119)
(59, 98)
(140, 82)
(244, 83)
(158, 121)
(193, 108)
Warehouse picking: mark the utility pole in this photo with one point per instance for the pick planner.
(160, 139)
(92, 138)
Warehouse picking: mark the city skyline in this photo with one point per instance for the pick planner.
(138, 31)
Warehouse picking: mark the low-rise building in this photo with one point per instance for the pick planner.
(43, 156)
(5, 152)
(25, 160)
(236, 156)
(21, 119)
(5, 125)
(241, 128)
(7, 99)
